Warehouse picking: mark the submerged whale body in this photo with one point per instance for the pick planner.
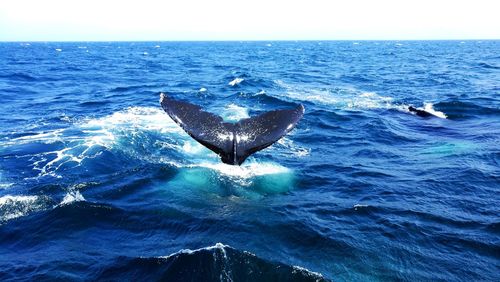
(233, 142)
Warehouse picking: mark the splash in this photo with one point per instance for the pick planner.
(145, 134)
(139, 132)
(246, 171)
(429, 107)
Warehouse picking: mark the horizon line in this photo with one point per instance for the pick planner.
(248, 40)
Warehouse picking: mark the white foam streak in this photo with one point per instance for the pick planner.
(5, 185)
(347, 98)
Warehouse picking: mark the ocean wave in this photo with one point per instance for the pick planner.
(464, 110)
(487, 66)
(18, 76)
(215, 263)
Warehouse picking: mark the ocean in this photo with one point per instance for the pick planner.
(98, 183)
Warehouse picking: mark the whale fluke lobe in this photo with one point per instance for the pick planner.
(233, 142)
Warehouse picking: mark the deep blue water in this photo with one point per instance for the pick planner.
(97, 182)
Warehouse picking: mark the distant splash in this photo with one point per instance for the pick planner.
(348, 99)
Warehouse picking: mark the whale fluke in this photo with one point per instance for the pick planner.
(233, 142)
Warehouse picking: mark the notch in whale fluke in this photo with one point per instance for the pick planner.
(233, 142)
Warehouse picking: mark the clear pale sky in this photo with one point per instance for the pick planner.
(96, 20)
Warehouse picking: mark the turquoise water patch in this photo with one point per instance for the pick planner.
(442, 149)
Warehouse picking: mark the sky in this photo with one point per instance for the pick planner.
(101, 20)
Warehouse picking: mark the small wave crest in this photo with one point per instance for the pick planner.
(72, 196)
(236, 81)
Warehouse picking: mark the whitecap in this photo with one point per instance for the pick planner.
(16, 206)
(303, 269)
(72, 196)
(203, 89)
(217, 246)
(235, 81)
(358, 206)
(58, 50)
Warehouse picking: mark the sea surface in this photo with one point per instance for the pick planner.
(97, 182)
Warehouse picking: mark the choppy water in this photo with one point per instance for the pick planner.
(96, 182)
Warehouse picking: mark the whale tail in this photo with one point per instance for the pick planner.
(233, 142)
